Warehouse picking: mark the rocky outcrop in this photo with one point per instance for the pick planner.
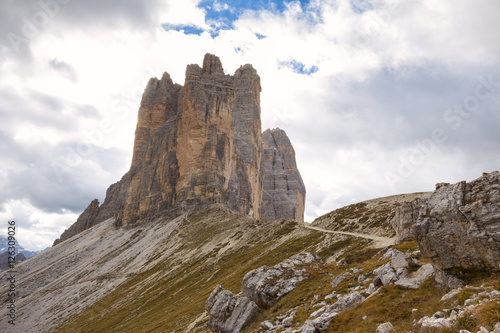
(201, 144)
(196, 144)
(4, 259)
(228, 313)
(460, 225)
(396, 270)
(322, 318)
(406, 216)
(84, 221)
(385, 328)
(415, 279)
(262, 288)
(266, 285)
(283, 191)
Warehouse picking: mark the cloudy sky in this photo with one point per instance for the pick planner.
(379, 97)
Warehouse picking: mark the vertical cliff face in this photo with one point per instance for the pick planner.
(200, 144)
(220, 136)
(159, 103)
(283, 193)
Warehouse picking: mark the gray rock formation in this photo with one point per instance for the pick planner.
(397, 270)
(228, 313)
(201, 144)
(338, 280)
(4, 259)
(266, 285)
(415, 279)
(84, 221)
(406, 216)
(460, 225)
(448, 280)
(386, 274)
(385, 328)
(322, 318)
(283, 192)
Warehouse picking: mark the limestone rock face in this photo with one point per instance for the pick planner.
(158, 104)
(283, 193)
(220, 138)
(201, 144)
(228, 313)
(460, 226)
(406, 217)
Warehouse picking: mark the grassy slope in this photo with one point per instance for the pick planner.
(166, 299)
(368, 217)
(216, 247)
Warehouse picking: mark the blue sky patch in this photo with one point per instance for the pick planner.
(361, 6)
(188, 29)
(298, 67)
(220, 14)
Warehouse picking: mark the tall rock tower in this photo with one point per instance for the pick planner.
(201, 144)
(283, 191)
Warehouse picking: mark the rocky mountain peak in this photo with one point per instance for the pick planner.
(201, 144)
(212, 65)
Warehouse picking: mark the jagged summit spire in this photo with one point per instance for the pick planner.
(212, 65)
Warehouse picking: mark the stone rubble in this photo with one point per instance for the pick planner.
(324, 309)
(449, 210)
(439, 320)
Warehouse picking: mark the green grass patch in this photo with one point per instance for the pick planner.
(391, 304)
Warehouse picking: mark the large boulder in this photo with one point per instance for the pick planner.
(415, 279)
(460, 225)
(266, 285)
(406, 217)
(386, 274)
(228, 313)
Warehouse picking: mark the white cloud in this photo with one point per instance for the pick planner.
(184, 12)
(35, 230)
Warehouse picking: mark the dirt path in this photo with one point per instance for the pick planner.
(379, 241)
